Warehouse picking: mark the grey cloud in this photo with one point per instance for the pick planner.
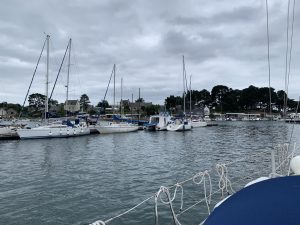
(223, 41)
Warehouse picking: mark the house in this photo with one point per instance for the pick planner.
(72, 106)
(11, 113)
(2, 113)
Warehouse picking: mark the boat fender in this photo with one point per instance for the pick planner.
(67, 132)
(60, 132)
(50, 133)
(295, 165)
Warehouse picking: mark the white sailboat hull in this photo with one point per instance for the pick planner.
(7, 132)
(116, 128)
(179, 127)
(196, 124)
(52, 132)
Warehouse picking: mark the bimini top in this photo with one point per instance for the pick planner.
(270, 202)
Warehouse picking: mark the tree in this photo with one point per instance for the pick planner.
(36, 103)
(217, 94)
(231, 101)
(152, 110)
(281, 95)
(199, 96)
(172, 101)
(103, 104)
(53, 103)
(249, 97)
(141, 100)
(84, 102)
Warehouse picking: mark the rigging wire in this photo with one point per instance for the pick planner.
(290, 52)
(286, 61)
(269, 66)
(37, 64)
(112, 72)
(62, 62)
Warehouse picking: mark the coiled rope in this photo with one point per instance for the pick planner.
(224, 182)
(203, 176)
(165, 191)
(198, 178)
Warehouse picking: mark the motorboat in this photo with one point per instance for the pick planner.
(179, 125)
(159, 122)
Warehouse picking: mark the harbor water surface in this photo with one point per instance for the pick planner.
(80, 180)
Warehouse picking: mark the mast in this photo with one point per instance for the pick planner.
(183, 73)
(121, 104)
(269, 66)
(139, 103)
(47, 80)
(114, 89)
(191, 96)
(68, 75)
(131, 106)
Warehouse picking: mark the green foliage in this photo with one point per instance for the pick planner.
(225, 99)
(218, 93)
(151, 110)
(36, 104)
(103, 104)
(84, 102)
(140, 100)
(172, 101)
(60, 110)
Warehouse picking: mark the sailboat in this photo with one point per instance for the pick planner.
(66, 129)
(113, 126)
(181, 124)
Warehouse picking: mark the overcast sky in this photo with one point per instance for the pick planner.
(224, 42)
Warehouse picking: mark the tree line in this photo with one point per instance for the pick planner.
(220, 99)
(225, 99)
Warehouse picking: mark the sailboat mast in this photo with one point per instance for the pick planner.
(121, 104)
(114, 89)
(47, 80)
(139, 103)
(183, 73)
(68, 75)
(191, 96)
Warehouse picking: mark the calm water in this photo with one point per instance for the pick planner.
(80, 180)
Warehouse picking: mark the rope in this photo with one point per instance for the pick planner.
(127, 211)
(174, 196)
(215, 192)
(202, 176)
(293, 127)
(292, 155)
(198, 178)
(99, 222)
(224, 182)
(165, 190)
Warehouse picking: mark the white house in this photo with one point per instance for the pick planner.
(72, 106)
(2, 113)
